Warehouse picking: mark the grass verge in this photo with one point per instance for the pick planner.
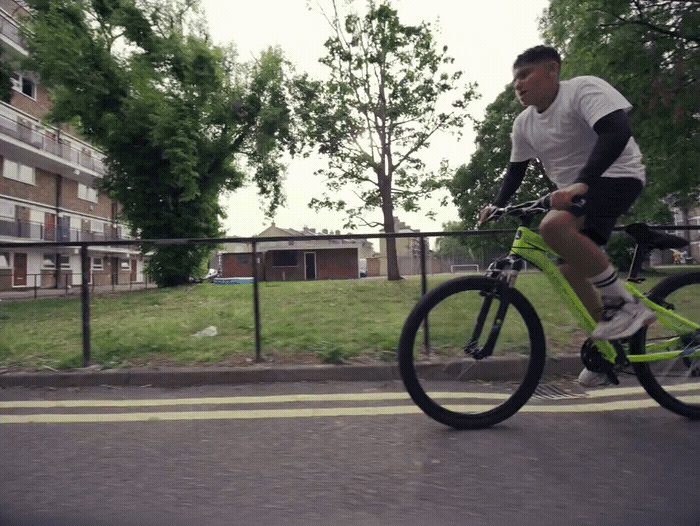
(302, 322)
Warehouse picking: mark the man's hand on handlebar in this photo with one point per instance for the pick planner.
(485, 213)
(563, 199)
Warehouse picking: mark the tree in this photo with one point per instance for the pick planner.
(650, 50)
(455, 248)
(380, 107)
(6, 71)
(171, 111)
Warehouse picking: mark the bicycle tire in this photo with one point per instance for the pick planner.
(674, 384)
(497, 377)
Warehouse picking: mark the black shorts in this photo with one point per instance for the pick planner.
(605, 202)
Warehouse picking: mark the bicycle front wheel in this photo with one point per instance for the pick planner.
(472, 352)
(675, 383)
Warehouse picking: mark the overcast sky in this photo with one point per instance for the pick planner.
(483, 37)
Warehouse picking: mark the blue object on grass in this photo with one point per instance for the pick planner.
(232, 281)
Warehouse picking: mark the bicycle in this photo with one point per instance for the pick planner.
(483, 348)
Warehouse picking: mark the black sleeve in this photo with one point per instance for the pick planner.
(613, 134)
(511, 182)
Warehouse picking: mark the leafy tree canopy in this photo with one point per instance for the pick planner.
(6, 71)
(390, 90)
(650, 51)
(171, 111)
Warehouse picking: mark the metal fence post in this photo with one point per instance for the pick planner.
(256, 305)
(424, 289)
(85, 297)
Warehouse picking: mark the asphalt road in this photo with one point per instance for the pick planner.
(334, 453)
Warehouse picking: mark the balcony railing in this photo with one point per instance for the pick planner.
(50, 140)
(10, 30)
(29, 230)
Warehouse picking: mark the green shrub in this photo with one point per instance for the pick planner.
(620, 250)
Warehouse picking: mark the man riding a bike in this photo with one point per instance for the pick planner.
(580, 131)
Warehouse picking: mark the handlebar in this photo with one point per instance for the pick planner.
(526, 210)
(522, 210)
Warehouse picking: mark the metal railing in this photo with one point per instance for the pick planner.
(24, 128)
(46, 284)
(39, 231)
(10, 30)
(85, 277)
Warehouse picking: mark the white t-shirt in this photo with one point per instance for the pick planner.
(562, 136)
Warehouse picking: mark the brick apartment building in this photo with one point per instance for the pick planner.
(48, 189)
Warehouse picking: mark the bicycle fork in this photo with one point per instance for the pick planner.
(504, 271)
(472, 347)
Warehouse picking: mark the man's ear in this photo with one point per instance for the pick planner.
(553, 68)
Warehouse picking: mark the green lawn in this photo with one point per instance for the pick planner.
(312, 321)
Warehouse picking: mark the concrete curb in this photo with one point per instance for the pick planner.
(173, 377)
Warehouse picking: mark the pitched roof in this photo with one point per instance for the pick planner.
(275, 231)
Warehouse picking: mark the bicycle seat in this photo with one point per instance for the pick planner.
(644, 235)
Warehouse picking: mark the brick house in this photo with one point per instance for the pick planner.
(295, 260)
(48, 189)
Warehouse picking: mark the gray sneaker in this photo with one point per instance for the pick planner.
(588, 378)
(622, 319)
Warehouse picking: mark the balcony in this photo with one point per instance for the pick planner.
(24, 139)
(32, 231)
(10, 33)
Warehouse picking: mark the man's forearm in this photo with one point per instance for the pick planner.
(514, 176)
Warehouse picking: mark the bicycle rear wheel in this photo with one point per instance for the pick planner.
(448, 379)
(674, 384)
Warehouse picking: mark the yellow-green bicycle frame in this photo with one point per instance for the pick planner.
(530, 246)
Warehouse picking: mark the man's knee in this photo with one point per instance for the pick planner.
(558, 225)
(568, 271)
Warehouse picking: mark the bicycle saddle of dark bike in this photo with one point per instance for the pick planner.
(644, 235)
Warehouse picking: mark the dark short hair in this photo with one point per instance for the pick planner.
(537, 54)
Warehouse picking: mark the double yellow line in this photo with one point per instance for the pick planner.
(594, 401)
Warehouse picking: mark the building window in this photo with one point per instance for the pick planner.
(4, 260)
(98, 264)
(18, 172)
(65, 262)
(86, 193)
(24, 85)
(124, 264)
(284, 258)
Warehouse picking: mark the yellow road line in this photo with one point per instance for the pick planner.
(223, 400)
(623, 391)
(250, 414)
(291, 398)
(240, 414)
(579, 405)
(233, 400)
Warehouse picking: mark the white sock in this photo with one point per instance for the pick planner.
(610, 286)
